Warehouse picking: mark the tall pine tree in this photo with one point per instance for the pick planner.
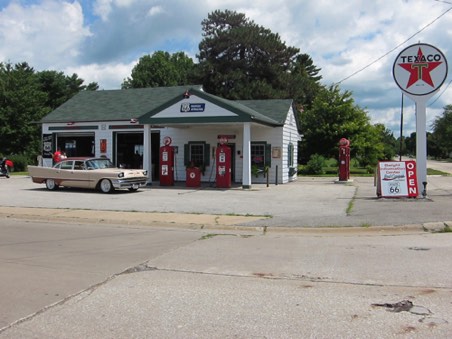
(239, 59)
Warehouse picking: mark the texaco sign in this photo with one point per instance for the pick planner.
(420, 69)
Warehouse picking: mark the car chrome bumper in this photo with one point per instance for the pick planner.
(129, 183)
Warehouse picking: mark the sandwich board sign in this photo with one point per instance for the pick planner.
(419, 71)
(397, 179)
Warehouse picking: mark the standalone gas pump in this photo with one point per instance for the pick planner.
(223, 166)
(344, 159)
(167, 163)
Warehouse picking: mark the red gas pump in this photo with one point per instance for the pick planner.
(223, 167)
(167, 163)
(344, 159)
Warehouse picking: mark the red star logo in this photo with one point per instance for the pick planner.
(420, 69)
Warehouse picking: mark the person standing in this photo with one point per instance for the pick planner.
(4, 167)
(57, 156)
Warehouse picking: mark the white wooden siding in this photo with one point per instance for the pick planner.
(276, 136)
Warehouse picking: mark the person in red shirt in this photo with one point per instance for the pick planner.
(5, 164)
(57, 156)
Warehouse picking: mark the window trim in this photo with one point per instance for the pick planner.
(290, 154)
(267, 154)
(187, 153)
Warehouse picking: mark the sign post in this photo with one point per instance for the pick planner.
(419, 71)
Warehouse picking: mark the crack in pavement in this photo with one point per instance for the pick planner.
(144, 267)
(295, 277)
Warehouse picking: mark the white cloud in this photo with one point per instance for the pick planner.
(108, 76)
(155, 10)
(102, 8)
(103, 42)
(46, 35)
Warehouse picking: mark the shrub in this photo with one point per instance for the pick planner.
(315, 165)
(370, 169)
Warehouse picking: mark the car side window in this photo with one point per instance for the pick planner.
(79, 165)
(66, 165)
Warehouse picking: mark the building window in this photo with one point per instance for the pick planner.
(197, 154)
(290, 154)
(260, 154)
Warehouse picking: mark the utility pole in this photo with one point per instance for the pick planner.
(401, 130)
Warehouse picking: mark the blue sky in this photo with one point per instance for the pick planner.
(101, 40)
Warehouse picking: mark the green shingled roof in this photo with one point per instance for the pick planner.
(143, 103)
(112, 105)
(275, 109)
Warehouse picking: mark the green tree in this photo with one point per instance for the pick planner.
(60, 87)
(333, 116)
(304, 81)
(22, 104)
(74, 84)
(442, 132)
(160, 70)
(410, 144)
(25, 97)
(433, 148)
(364, 147)
(186, 69)
(401, 146)
(388, 141)
(239, 59)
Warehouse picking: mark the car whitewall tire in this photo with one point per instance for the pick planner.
(105, 186)
(51, 184)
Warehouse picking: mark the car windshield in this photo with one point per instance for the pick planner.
(99, 164)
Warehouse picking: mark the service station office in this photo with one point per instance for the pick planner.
(171, 130)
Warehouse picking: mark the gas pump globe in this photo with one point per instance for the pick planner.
(344, 159)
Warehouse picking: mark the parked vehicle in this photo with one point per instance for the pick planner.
(94, 173)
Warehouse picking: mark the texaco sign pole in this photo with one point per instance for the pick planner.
(420, 70)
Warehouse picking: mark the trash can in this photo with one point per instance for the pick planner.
(193, 177)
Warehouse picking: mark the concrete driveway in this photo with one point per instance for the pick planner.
(308, 202)
(298, 280)
(315, 283)
(44, 262)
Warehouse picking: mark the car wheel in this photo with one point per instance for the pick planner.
(51, 184)
(105, 186)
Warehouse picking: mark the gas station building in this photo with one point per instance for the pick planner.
(171, 130)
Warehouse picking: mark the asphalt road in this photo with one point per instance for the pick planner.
(44, 262)
(70, 280)
(315, 283)
(443, 166)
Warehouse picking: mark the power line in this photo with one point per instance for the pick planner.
(392, 50)
(439, 96)
(446, 2)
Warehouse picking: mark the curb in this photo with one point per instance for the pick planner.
(207, 222)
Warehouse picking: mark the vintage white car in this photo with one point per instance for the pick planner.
(95, 173)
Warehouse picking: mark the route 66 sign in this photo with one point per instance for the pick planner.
(420, 69)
